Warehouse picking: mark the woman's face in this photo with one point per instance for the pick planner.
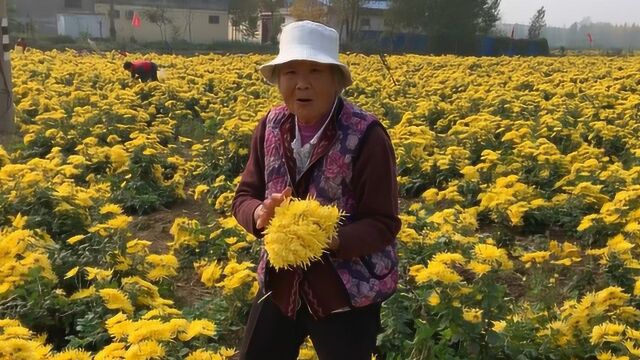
(308, 89)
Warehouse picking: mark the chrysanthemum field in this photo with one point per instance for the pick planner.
(520, 186)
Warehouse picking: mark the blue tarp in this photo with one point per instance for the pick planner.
(488, 46)
(419, 44)
(402, 42)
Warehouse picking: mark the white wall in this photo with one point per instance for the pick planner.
(75, 25)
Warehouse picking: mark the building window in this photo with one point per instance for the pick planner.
(74, 4)
(128, 14)
(214, 19)
(365, 22)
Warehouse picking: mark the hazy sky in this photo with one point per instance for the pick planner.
(565, 12)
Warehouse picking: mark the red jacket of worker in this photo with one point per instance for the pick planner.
(143, 65)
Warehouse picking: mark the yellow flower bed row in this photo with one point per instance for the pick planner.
(520, 180)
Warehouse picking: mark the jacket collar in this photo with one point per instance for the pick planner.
(321, 148)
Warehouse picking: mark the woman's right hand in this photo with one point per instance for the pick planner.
(263, 213)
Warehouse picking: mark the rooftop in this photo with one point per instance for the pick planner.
(179, 4)
(369, 4)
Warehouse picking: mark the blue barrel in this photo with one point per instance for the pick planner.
(488, 46)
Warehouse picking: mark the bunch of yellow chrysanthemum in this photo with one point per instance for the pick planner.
(299, 232)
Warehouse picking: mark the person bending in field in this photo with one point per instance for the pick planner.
(22, 43)
(142, 69)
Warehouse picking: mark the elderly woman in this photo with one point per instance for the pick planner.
(318, 144)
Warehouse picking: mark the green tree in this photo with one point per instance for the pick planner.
(408, 15)
(451, 25)
(489, 16)
(537, 24)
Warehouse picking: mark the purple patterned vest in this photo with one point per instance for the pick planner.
(368, 279)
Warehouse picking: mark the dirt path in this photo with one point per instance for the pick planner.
(155, 227)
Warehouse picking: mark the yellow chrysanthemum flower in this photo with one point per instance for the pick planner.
(145, 350)
(210, 273)
(73, 354)
(116, 350)
(472, 315)
(300, 231)
(74, 239)
(83, 293)
(111, 209)
(138, 246)
(116, 299)
(71, 272)
(196, 328)
(204, 355)
(200, 189)
(98, 274)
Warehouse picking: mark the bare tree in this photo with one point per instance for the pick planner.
(349, 12)
(308, 10)
(243, 17)
(159, 17)
(249, 29)
(188, 19)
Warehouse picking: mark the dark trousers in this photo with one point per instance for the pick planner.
(349, 335)
(151, 75)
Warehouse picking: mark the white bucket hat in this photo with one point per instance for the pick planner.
(306, 40)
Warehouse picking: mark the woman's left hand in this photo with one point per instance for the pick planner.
(263, 213)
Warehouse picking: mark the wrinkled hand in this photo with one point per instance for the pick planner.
(263, 213)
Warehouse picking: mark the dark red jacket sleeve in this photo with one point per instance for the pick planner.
(376, 189)
(250, 192)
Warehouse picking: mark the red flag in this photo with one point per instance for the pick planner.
(513, 31)
(135, 21)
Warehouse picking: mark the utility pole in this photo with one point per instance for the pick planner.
(112, 22)
(6, 96)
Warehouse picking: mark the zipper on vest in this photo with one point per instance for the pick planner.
(311, 312)
(297, 292)
(306, 301)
